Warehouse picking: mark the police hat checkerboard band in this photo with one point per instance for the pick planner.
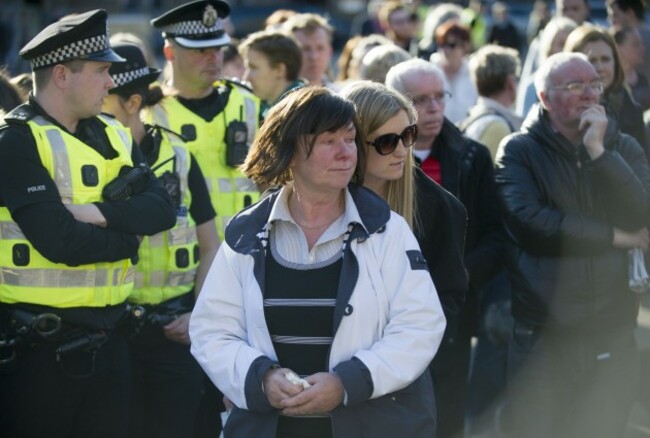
(73, 50)
(192, 28)
(129, 76)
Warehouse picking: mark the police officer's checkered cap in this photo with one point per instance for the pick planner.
(79, 36)
(189, 29)
(75, 50)
(129, 76)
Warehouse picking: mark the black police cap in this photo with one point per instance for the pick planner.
(134, 73)
(197, 24)
(82, 36)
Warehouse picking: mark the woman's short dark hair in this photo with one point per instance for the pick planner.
(296, 121)
(452, 28)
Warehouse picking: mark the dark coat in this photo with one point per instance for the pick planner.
(560, 208)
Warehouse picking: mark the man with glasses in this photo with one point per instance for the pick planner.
(464, 168)
(575, 194)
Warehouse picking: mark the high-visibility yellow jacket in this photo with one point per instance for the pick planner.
(230, 190)
(168, 260)
(37, 280)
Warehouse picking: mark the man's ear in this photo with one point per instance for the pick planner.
(168, 51)
(543, 99)
(60, 75)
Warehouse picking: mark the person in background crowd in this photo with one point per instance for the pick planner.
(71, 232)
(277, 19)
(273, 61)
(631, 13)
(24, 84)
(364, 45)
(473, 17)
(233, 62)
(453, 47)
(376, 63)
(494, 70)
(630, 52)
(549, 42)
(314, 34)
(10, 94)
(575, 198)
(318, 316)
(503, 31)
(576, 10)
(400, 25)
(437, 15)
(538, 19)
(167, 380)
(600, 47)
(464, 168)
(436, 217)
(218, 119)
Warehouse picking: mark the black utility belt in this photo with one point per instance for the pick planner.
(22, 329)
(163, 313)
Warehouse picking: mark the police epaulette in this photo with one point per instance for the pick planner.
(238, 83)
(21, 114)
(109, 115)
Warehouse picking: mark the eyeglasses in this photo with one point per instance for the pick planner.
(439, 98)
(580, 88)
(387, 143)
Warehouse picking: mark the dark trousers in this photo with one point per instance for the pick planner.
(40, 397)
(167, 384)
(567, 384)
(449, 371)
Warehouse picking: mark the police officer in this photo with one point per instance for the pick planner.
(167, 380)
(67, 240)
(217, 117)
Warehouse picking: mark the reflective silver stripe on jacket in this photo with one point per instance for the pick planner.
(61, 162)
(157, 278)
(11, 231)
(64, 278)
(240, 185)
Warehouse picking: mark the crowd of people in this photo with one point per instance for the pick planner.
(443, 239)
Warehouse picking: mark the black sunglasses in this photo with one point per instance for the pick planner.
(386, 144)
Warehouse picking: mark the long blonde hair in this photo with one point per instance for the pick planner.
(375, 105)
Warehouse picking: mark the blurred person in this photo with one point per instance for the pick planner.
(233, 63)
(630, 50)
(574, 193)
(453, 41)
(321, 280)
(600, 47)
(376, 63)
(273, 61)
(366, 22)
(502, 30)
(314, 34)
(576, 10)
(364, 45)
(631, 13)
(464, 168)
(10, 94)
(437, 15)
(549, 42)
(167, 381)
(538, 19)
(494, 70)
(473, 17)
(24, 84)
(277, 18)
(400, 24)
(343, 62)
(70, 239)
